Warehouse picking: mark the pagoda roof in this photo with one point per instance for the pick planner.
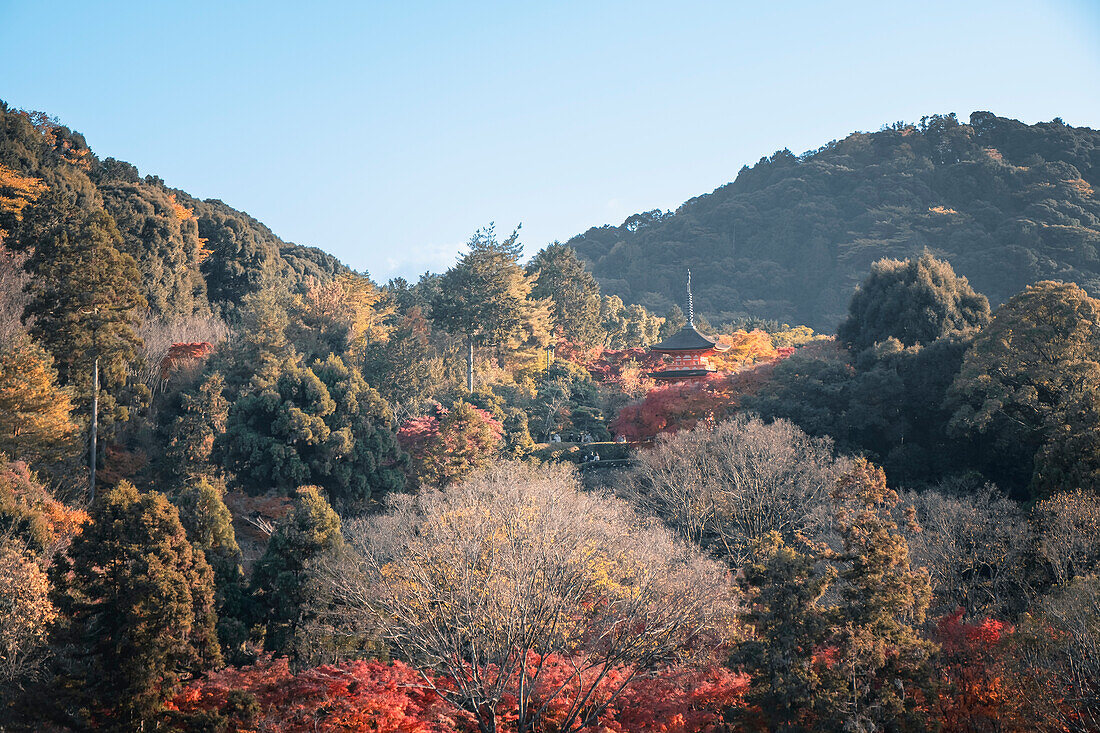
(688, 339)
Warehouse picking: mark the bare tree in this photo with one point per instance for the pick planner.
(13, 299)
(159, 334)
(726, 486)
(1067, 527)
(516, 583)
(1056, 652)
(974, 543)
(25, 613)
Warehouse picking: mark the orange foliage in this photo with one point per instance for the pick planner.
(17, 192)
(184, 355)
(744, 348)
(182, 212)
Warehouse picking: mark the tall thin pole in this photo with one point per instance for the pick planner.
(95, 425)
(470, 363)
(691, 304)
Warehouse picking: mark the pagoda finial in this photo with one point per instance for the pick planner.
(691, 304)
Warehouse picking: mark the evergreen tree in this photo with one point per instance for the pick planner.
(882, 663)
(320, 425)
(405, 368)
(787, 692)
(85, 303)
(1034, 370)
(138, 604)
(485, 298)
(191, 436)
(573, 292)
(36, 422)
(914, 301)
(285, 586)
(264, 350)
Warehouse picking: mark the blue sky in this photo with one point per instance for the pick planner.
(386, 133)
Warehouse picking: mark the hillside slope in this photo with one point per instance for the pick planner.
(194, 255)
(1006, 203)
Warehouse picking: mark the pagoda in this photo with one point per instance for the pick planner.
(689, 350)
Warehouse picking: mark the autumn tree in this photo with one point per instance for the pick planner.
(490, 581)
(486, 298)
(137, 603)
(17, 192)
(573, 292)
(320, 425)
(405, 369)
(446, 445)
(915, 301)
(627, 326)
(341, 316)
(1033, 370)
(27, 611)
(36, 421)
(285, 588)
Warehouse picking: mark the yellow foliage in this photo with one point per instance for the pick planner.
(941, 210)
(25, 608)
(35, 413)
(744, 348)
(17, 192)
(182, 212)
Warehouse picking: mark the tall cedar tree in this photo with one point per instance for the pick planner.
(203, 415)
(404, 368)
(36, 422)
(786, 689)
(85, 302)
(914, 301)
(1029, 385)
(286, 586)
(573, 292)
(485, 298)
(881, 670)
(320, 425)
(138, 604)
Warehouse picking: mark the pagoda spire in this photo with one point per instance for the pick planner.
(691, 304)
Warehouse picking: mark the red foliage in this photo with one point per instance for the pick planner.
(184, 355)
(682, 405)
(445, 445)
(974, 695)
(394, 698)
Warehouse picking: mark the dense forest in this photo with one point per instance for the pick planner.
(245, 488)
(1007, 204)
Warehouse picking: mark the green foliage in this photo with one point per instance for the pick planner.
(203, 415)
(405, 369)
(85, 303)
(788, 627)
(138, 604)
(626, 327)
(573, 292)
(319, 425)
(1008, 204)
(913, 301)
(1028, 386)
(286, 586)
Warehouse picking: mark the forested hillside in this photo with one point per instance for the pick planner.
(193, 255)
(1007, 204)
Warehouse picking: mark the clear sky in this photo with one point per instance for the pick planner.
(386, 133)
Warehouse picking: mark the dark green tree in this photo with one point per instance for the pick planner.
(1032, 371)
(137, 603)
(786, 692)
(203, 415)
(914, 301)
(573, 292)
(406, 369)
(486, 298)
(85, 303)
(320, 425)
(286, 586)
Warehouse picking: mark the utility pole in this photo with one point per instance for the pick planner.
(95, 426)
(470, 363)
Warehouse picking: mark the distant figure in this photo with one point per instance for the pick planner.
(620, 439)
(555, 438)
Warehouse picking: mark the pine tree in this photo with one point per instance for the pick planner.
(485, 298)
(285, 585)
(138, 604)
(573, 292)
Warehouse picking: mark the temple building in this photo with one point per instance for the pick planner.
(689, 350)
